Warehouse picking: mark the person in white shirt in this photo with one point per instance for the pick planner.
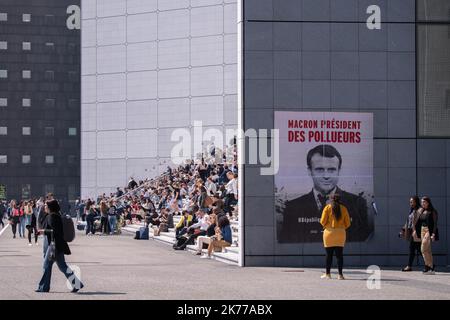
(196, 230)
(210, 186)
(231, 191)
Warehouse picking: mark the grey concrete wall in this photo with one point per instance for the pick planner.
(318, 55)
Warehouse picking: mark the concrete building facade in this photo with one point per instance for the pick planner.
(39, 99)
(149, 67)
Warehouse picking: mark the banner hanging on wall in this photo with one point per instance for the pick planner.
(323, 153)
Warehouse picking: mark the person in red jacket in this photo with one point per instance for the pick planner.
(15, 217)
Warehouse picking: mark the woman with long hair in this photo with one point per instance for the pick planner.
(426, 226)
(104, 217)
(28, 214)
(335, 221)
(407, 232)
(15, 217)
(32, 222)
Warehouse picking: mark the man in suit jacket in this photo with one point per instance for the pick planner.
(301, 216)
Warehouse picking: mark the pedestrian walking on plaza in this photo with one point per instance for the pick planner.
(104, 217)
(56, 249)
(22, 221)
(407, 232)
(335, 221)
(14, 217)
(90, 218)
(2, 213)
(28, 213)
(112, 217)
(426, 227)
(32, 226)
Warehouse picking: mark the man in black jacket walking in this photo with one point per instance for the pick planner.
(53, 230)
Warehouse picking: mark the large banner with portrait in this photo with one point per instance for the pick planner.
(321, 154)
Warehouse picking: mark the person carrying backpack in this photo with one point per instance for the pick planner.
(57, 248)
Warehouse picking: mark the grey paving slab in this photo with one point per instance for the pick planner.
(122, 268)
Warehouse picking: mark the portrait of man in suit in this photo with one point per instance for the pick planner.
(301, 216)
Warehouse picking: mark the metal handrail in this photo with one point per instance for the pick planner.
(140, 187)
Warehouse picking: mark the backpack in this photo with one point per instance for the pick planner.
(68, 228)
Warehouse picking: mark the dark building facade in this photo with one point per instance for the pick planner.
(39, 99)
(388, 58)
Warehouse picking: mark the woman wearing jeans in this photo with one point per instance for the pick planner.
(53, 230)
(112, 218)
(426, 226)
(335, 221)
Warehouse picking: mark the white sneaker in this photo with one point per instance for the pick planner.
(205, 257)
(37, 244)
(30, 244)
(325, 276)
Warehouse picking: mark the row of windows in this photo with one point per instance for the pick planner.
(26, 46)
(72, 191)
(48, 159)
(26, 17)
(50, 102)
(49, 131)
(48, 75)
(26, 102)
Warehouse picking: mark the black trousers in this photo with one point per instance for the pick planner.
(339, 251)
(104, 225)
(191, 239)
(414, 247)
(229, 200)
(32, 229)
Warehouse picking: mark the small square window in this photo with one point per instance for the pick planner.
(72, 131)
(72, 47)
(3, 131)
(49, 75)
(26, 131)
(49, 188)
(49, 19)
(26, 158)
(3, 158)
(49, 46)
(50, 103)
(26, 191)
(73, 76)
(3, 16)
(26, 17)
(3, 45)
(49, 159)
(3, 102)
(4, 74)
(26, 102)
(72, 159)
(26, 46)
(26, 74)
(73, 192)
(74, 103)
(49, 131)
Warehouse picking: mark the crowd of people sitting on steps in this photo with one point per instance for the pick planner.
(204, 193)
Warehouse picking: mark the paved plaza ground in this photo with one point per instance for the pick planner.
(118, 267)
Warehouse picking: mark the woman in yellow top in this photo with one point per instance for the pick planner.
(335, 220)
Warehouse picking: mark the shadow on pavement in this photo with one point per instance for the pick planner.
(100, 293)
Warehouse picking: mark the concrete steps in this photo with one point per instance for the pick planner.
(229, 255)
